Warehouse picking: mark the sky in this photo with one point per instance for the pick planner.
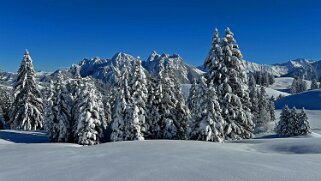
(58, 33)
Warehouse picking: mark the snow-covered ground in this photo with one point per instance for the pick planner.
(275, 93)
(285, 83)
(282, 83)
(27, 156)
(308, 100)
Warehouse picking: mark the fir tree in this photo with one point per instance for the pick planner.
(156, 109)
(138, 100)
(90, 117)
(211, 126)
(231, 83)
(263, 114)
(314, 84)
(121, 109)
(304, 124)
(214, 56)
(27, 109)
(292, 123)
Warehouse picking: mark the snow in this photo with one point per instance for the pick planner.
(275, 93)
(308, 99)
(282, 83)
(264, 158)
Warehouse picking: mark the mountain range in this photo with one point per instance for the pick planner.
(107, 69)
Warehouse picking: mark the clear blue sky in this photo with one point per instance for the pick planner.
(61, 32)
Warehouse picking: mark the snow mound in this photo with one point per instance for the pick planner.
(308, 100)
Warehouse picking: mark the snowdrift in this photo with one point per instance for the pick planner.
(309, 100)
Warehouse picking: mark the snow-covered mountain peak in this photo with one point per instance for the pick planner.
(153, 56)
(122, 58)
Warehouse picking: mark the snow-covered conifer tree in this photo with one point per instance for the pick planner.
(231, 83)
(294, 87)
(137, 114)
(27, 109)
(59, 118)
(263, 114)
(178, 115)
(168, 112)
(90, 115)
(155, 106)
(314, 84)
(211, 126)
(121, 108)
(51, 116)
(214, 56)
(284, 123)
(271, 108)
(304, 124)
(292, 123)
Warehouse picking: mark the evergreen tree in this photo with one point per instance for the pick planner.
(139, 95)
(271, 108)
(292, 123)
(156, 109)
(6, 100)
(211, 126)
(27, 109)
(263, 114)
(90, 115)
(177, 114)
(231, 84)
(304, 124)
(298, 85)
(314, 84)
(121, 109)
(51, 116)
(294, 87)
(214, 56)
(59, 119)
(168, 113)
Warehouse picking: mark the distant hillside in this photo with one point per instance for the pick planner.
(308, 100)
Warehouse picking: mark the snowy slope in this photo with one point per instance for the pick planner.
(294, 159)
(275, 93)
(308, 99)
(282, 83)
(265, 159)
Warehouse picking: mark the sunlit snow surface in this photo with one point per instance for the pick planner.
(26, 156)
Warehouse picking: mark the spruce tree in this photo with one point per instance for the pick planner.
(314, 84)
(304, 124)
(59, 119)
(211, 126)
(292, 123)
(156, 109)
(27, 109)
(263, 114)
(121, 110)
(138, 100)
(294, 87)
(231, 82)
(214, 57)
(90, 115)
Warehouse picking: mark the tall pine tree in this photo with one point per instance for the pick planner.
(27, 109)
(231, 83)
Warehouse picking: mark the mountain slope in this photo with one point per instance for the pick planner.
(308, 100)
